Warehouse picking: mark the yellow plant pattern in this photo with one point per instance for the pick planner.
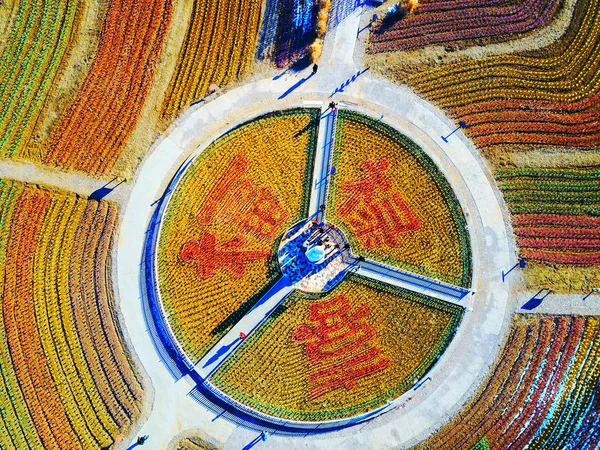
(420, 225)
(272, 372)
(223, 204)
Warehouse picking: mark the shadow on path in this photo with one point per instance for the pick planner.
(255, 441)
(102, 192)
(536, 300)
(296, 86)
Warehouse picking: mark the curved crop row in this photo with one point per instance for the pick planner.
(547, 97)
(554, 213)
(218, 48)
(394, 203)
(92, 133)
(440, 22)
(29, 62)
(288, 30)
(543, 392)
(67, 379)
(349, 352)
(223, 221)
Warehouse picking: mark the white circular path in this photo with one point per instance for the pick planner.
(466, 361)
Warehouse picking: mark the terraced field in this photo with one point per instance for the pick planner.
(92, 133)
(555, 212)
(541, 394)
(439, 22)
(30, 59)
(218, 49)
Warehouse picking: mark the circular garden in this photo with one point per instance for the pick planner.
(337, 354)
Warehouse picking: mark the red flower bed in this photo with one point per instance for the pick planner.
(441, 21)
(555, 219)
(93, 132)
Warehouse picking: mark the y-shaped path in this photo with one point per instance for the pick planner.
(264, 307)
(414, 414)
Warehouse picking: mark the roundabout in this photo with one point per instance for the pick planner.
(300, 224)
(231, 304)
(440, 268)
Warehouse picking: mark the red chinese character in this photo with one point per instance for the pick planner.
(265, 216)
(224, 186)
(235, 200)
(378, 220)
(228, 255)
(341, 346)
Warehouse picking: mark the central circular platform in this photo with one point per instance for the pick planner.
(315, 256)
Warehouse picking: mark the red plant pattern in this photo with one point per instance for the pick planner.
(340, 347)
(229, 255)
(377, 219)
(236, 200)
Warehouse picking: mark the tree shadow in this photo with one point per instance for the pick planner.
(312, 124)
(389, 20)
(296, 86)
(102, 192)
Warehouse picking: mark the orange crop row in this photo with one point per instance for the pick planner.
(94, 130)
(62, 345)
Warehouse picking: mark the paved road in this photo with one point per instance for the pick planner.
(413, 282)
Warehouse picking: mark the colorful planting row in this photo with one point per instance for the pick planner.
(287, 30)
(67, 381)
(219, 234)
(30, 60)
(341, 355)
(92, 133)
(556, 213)
(393, 202)
(440, 22)
(218, 48)
(543, 393)
(545, 97)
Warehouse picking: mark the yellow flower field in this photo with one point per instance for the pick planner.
(276, 373)
(413, 219)
(239, 195)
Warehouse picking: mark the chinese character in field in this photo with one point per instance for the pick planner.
(340, 346)
(235, 200)
(210, 255)
(376, 212)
